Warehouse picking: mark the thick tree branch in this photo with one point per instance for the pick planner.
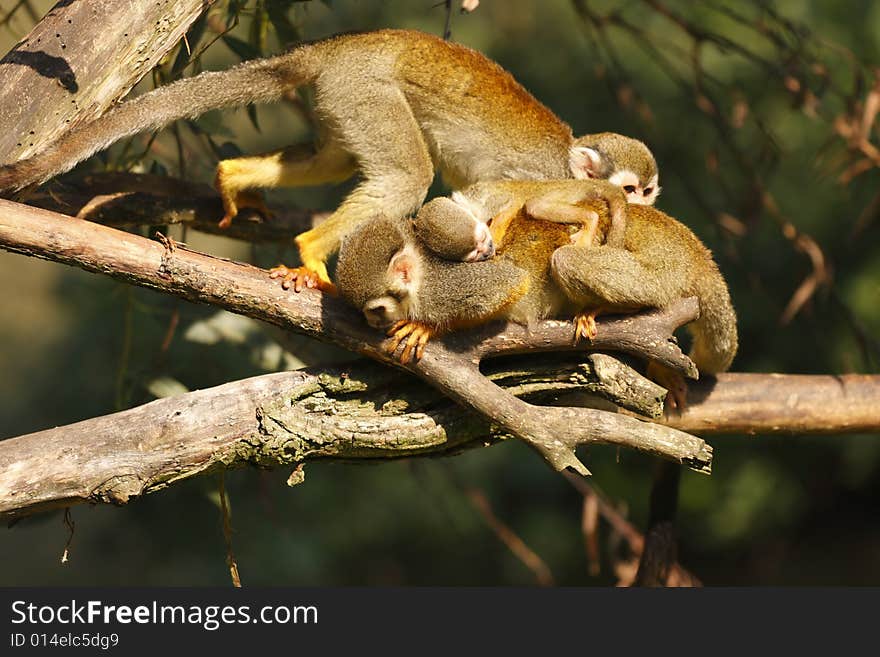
(359, 411)
(450, 364)
(67, 70)
(121, 199)
(782, 403)
(362, 411)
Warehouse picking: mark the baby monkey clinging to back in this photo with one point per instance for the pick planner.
(393, 105)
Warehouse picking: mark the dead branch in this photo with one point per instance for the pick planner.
(451, 364)
(122, 199)
(360, 411)
(782, 403)
(66, 71)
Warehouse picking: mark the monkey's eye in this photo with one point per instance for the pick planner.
(648, 191)
(629, 189)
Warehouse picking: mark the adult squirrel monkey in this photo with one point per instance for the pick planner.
(399, 283)
(393, 105)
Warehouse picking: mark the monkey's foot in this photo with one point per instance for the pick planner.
(301, 278)
(585, 325)
(414, 336)
(242, 200)
(484, 246)
(676, 397)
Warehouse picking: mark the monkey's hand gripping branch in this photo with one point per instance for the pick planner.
(451, 364)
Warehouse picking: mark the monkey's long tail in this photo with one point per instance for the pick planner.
(256, 81)
(715, 335)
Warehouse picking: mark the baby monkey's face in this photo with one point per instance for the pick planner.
(637, 191)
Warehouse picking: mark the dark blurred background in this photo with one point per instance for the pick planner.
(757, 114)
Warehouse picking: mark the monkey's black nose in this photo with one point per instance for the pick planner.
(379, 313)
(376, 315)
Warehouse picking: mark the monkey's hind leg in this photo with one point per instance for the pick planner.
(414, 336)
(238, 179)
(561, 212)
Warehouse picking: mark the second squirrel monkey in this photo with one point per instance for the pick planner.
(397, 282)
(393, 105)
(457, 227)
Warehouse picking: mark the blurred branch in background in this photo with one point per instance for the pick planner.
(742, 150)
(625, 566)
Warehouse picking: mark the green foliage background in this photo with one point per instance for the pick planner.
(798, 510)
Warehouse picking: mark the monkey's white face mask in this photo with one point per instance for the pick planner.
(403, 278)
(636, 192)
(586, 163)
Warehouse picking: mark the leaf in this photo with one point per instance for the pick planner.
(252, 115)
(165, 386)
(243, 49)
(279, 17)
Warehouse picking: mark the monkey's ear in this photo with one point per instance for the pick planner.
(585, 162)
(404, 268)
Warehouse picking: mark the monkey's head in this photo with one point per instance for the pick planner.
(623, 161)
(387, 274)
(379, 271)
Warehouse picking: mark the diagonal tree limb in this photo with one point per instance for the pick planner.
(447, 364)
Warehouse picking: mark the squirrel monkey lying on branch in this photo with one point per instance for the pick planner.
(541, 271)
(394, 106)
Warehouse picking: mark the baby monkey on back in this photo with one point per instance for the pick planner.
(542, 270)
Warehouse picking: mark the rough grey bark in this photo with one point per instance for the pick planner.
(80, 59)
(362, 411)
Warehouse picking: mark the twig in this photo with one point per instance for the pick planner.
(634, 539)
(231, 563)
(660, 551)
(69, 524)
(590, 530)
(514, 543)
